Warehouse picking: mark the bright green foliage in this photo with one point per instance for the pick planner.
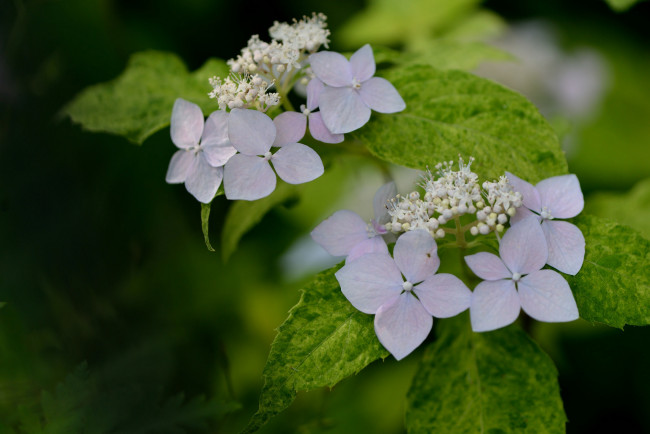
(453, 54)
(632, 209)
(205, 220)
(494, 382)
(244, 215)
(87, 403)
(324, 340)
(621, 5)
(139, 102)
(390, 22)
(453, 112)
(613, 286)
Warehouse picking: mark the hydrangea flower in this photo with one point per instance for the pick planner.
(345, 233)
(204, 149)
(248, 175)
(403, 307)
(293, 124)
(516, 280)
(352, 91)
(552, 198)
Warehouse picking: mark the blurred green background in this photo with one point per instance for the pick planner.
(104, 272)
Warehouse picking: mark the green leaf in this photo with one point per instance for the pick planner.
(613, 286)
(446, 54)
(621, 5)
(205, 220)
(453, 112)
(139, 102)
(632, 208)
(495, 382)
(324, 340)
(244, 215)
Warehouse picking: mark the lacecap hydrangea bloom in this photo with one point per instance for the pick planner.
(345, 233)
(403, 292)
(204, 149)
(555, 198)
(351, 91)
(248, 174)
(515, 280)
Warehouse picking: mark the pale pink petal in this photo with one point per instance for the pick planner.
(314, 88)
(522, 213)
(566, 246)
(290, 128)
(296, 163)
(443, 295)
(251, 132)
(381, 96)
(320, 132)
(180, 166)
(383, 195)
(562, 196)
(375, 244)
(203, 180)
(416, 255)
(370, 281)
(363, 63)
(248, 177)
(528, 191)
(523, 247)
(186, 123)
(487, 266)
(216, 129)
(546, 296)
(343, 110)
(217, 155)
(402, 325)
(331, 68)
(339, 233)
(495, 304)
(215, 143)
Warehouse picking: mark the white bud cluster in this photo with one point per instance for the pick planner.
(259, 56)
(448, 196)
(243, 91)
(307, 34)
(502, 203)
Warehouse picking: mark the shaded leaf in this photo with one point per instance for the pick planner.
(613, 286)
(139, 102)
(243, 215)
(496, 382)
(324, 340)
(632, 208)
(453, 112)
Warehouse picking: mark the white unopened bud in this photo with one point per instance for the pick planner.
(440, 233)
(473, 230)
